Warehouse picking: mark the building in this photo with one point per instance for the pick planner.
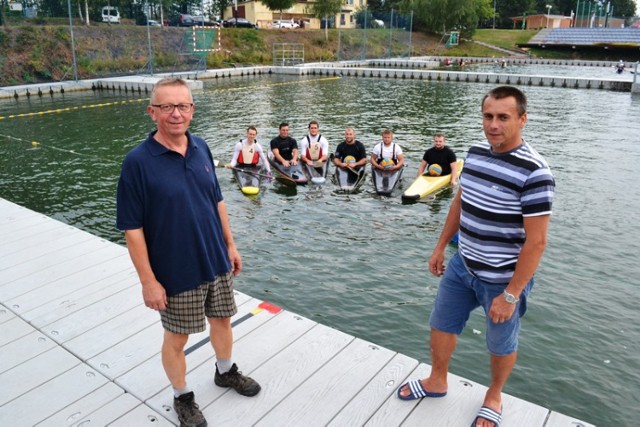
(256, 12)
(536, 22)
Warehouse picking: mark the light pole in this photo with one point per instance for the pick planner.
(494, 14)
(548, 11)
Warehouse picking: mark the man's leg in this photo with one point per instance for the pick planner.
(173, 359)
(501, 367)
(221, 335)
(442, 345)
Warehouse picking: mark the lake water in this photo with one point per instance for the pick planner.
(357, 262)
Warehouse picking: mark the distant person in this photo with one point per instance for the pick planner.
(387, 151)
(350, 149)
(502, 212)
(314, 148)
(284, 148)
(249, 152)
(440, 155)
(176, 226)
(620, 67)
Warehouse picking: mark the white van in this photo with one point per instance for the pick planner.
(110, 14)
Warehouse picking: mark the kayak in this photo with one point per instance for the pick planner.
(350, 179)
(385, 181)
(314, 174)
(293, 173)
(426, 184)
(249, 178)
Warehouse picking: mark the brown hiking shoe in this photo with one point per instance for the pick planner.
(244, 385)
(188, 411)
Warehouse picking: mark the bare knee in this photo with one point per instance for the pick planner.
(217, 323)
(174, 342)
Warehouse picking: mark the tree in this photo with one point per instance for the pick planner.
(507, 9)
(440, 16)
(280, 5)
(322, 9)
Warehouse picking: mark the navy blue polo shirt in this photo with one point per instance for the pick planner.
(175, 200)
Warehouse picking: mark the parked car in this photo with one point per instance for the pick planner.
(111, 15)
(285, 23)
(142, 20)
(181, 20)
(239, 23)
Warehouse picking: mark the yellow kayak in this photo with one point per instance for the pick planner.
(426, 184)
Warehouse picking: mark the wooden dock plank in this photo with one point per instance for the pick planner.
(23, 349)
(327, 391)
(50, 397)
(381, 388)
(278, 374)
(141, 416)
(88, 317)
(106, 335)
(68, 297)
(30, 226)
(34, 372)
(26, 277)
(83, 407)
(5, 314)
(57, 236)
(13, 329)
(559, 420)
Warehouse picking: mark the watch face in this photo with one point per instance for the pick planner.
(510, 298)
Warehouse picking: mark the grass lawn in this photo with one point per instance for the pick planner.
(504, 38)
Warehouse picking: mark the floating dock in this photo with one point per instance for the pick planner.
(402, 68)
(78, 347)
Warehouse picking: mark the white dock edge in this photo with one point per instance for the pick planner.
(78, 347)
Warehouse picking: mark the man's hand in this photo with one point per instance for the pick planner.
(436, 264)
(501, 310)
(154, 295)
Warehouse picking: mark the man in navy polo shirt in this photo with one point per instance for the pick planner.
(177, 230)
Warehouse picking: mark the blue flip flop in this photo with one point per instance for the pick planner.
(417, 391)
(489, 415)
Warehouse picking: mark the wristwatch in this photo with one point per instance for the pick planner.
(510, 298)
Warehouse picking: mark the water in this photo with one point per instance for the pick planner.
(358, 262)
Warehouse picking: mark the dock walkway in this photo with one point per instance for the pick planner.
(78, 347)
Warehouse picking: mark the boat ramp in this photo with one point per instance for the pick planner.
(78, 347)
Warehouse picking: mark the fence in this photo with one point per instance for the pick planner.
(379, 35)
(288, 54)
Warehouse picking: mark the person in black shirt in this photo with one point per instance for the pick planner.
(441, 155)
(350, 147)
(284, 148)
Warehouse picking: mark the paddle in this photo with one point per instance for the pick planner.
(251, 173)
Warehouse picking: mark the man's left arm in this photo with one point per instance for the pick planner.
(234, 255)
(535, 242)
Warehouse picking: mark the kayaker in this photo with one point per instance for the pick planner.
(314, 147)
(351, 148)
(176, 226)
(284, 148)
(441, 155)
(502, 212)
(249, 152)
(387, 151)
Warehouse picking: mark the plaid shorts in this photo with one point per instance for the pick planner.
(186, 312)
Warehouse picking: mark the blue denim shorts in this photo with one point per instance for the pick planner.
(460, 292)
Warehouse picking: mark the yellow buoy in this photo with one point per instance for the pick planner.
(34, 143)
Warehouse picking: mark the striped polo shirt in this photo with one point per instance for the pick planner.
(498, 191)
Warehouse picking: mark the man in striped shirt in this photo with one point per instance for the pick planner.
(502, 211)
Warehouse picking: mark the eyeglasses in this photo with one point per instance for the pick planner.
(169, 108)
